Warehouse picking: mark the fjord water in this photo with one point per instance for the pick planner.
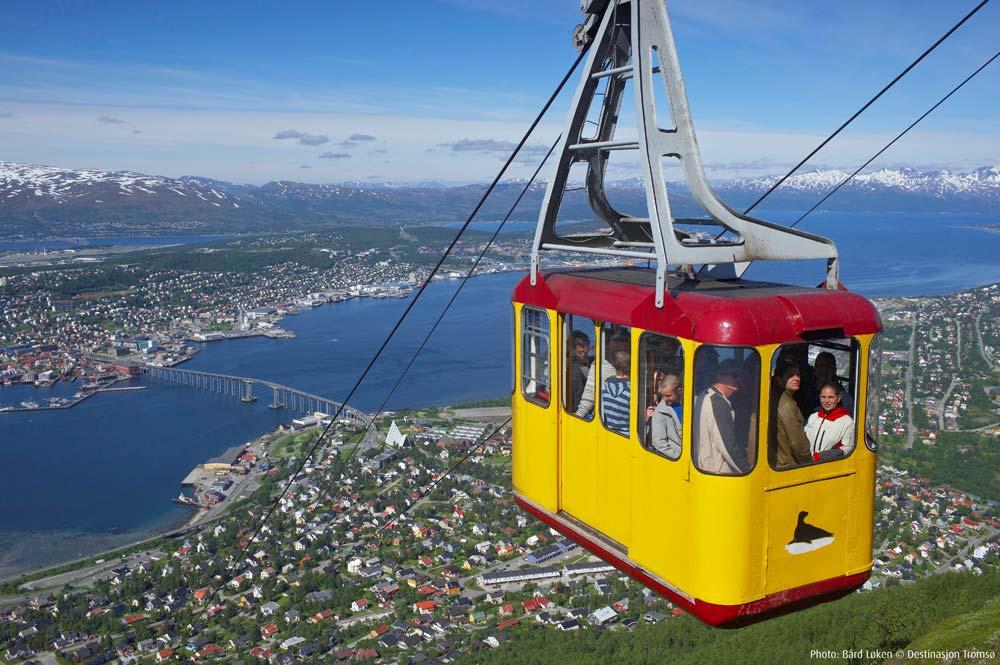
(102, 473)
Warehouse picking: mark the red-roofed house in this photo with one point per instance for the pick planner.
(209, 650)
(320, 617)
(269, 631)
(379, 630)
(425, 606)
(261, 652)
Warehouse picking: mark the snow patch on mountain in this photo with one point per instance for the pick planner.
(939, 183)
(46, 185)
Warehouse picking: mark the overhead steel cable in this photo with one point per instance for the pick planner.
(897, 137)
(867, 104)
(466, 278)
(440, 318)
(392, 333)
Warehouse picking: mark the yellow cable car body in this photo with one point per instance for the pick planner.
(721, 546)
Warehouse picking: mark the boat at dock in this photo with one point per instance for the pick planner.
(185, 500)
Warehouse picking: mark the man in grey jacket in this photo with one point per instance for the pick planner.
(665, 417)
(717, 449)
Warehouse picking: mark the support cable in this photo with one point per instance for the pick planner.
(364, 374)
(867, 104)
(893, 141)
(465, 280)
(434, 327)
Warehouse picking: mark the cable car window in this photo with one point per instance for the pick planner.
(535, 356)
(578, 338)
(616, 377)
(874, 388)
(661, 401)
(813, 388)
(724, 427)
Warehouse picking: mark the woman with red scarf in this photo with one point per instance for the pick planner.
(831, 429)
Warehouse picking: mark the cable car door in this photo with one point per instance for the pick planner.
(661, 467)
(578, 429)
(615, 442)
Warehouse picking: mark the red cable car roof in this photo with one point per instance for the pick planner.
(734, 312)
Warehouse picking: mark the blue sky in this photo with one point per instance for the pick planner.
(203, 88)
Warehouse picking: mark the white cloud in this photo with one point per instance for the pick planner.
(238, 146)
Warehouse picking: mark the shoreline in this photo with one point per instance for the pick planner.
(197, 517)
(136, 538)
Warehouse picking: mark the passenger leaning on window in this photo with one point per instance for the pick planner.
(793, 446)
(616, 394)
(665, 417)
(831, 429)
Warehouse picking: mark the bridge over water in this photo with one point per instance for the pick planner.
(242, 387)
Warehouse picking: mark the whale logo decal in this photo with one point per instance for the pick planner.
(808, 537)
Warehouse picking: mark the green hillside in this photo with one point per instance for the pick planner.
(944, 612)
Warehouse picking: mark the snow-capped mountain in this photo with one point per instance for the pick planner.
(38, 200)
(28, 186)
(983, 181)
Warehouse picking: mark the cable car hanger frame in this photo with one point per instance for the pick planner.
(613, 56)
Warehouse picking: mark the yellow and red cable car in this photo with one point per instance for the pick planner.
(711, 436)
(726, 544)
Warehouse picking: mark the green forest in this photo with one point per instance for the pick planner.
(939, 613)
(970, 462)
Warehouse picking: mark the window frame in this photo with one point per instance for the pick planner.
(873, 385)
(525, 333)
(854, 374)
(686, 404)
(599, 381)
(595, 327)
(760, 403)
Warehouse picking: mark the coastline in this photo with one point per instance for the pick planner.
(106, 543)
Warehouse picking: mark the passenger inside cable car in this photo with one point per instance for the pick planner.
(796, 414)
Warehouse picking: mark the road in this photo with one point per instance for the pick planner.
(958, 339)
(945, 567)
(372, 617)
(488, 413)
(909, 384)
(944, 400)
(982, 348)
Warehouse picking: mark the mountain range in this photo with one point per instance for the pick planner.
(40, 201)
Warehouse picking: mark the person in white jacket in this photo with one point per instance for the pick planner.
(831, 428)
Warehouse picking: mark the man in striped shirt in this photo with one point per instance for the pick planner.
(616, 394)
